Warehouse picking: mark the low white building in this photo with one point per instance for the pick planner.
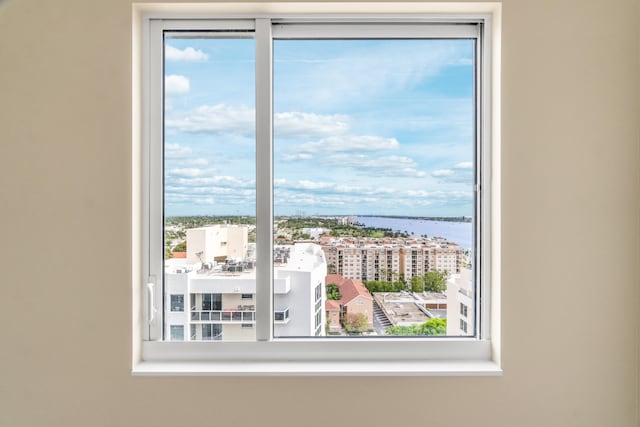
(217, 242)
(215, 299)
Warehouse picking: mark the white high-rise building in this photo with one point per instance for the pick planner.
(460, 312)
(214, 299)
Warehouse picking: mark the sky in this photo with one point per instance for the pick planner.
(361, 127)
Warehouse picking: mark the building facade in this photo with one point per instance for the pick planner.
(214, 298)
(460, 307)
(387, 259)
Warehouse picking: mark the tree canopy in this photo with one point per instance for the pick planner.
(180, 247)
(433, 326)
(435, 281)
(333, 292)
(382, 286)
(417, 284)
(356, 323)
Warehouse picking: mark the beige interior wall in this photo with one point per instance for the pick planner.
(571, 238)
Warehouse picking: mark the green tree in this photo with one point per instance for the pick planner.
(356, 323)
(431, 327)
(384, 286)
(333, 292)
(417, 284)
(180, 247)
(435, 281)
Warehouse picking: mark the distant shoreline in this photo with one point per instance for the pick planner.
(424, 218)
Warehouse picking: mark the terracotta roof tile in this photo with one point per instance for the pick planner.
(349, 288)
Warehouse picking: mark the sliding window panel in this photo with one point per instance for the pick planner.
(209, 185)
(374, 173)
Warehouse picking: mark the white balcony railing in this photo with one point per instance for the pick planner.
(235, 316)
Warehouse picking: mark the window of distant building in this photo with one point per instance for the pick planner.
(177, 333)
(262, 131)
(177, 302)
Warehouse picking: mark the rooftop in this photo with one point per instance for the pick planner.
(391, 242)
(401, 308)
(300, 257)
(349, 288)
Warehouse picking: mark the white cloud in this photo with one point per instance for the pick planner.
(294, 157)
(241, 119)
(439, 173)
(176, 85)
(349, 143)
(378, 166)
(220, 180)
(219, 118)
(464, 165)
(329, 187)
(198, 162)
(418, 193)
(365, 71)
(460, 173)
(187, 54)
(421, 197)
(185, 172)
(309, 125)
(176, 151)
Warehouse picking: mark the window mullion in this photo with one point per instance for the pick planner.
(264, 181)
(153, 173)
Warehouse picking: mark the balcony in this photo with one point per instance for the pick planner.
(235, 316)
(281, 316)
(224, 316)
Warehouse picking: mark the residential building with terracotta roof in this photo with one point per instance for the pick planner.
(354, 299)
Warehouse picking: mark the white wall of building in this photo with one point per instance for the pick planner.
(294, 289)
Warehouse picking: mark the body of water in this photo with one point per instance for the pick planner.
(456, 232)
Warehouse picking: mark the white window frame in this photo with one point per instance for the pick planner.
(305, 356)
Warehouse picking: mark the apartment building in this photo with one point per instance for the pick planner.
(214, 298)
(418, 258)
(363, 261)
(385, 259)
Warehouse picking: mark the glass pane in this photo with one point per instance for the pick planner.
(177, 333)
(374, 161)
(209, 180)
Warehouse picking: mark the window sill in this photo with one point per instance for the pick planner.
(318, 368)
(309, 357)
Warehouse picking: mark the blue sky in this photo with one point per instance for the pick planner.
(361, 127)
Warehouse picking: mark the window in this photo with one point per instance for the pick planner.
(463, 326)
(249, 122)
(177, 333)
(177, 302)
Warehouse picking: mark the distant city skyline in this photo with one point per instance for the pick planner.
(361, 127)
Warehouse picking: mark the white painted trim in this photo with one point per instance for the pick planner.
(264, 181)
(372, 31)
(319, 368)
(387, 356)
(338, 349)
(316, 9)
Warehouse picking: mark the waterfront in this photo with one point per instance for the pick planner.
(456, 232)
